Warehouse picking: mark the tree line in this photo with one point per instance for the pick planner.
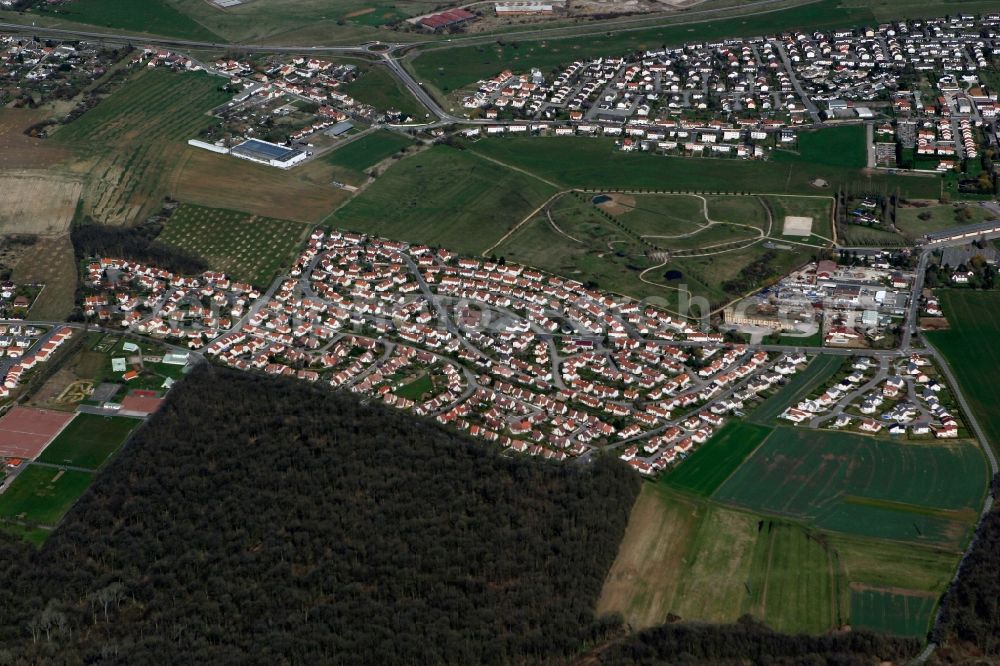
(259, 520)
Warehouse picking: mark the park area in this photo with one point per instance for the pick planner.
(245, 247)
(929, 493)
(89, 440)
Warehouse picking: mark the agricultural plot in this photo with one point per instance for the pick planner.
(220, 181)
(712, 463)
(845, 146)
(89, 440)
(51, 262)
(130, 145)
(970, 346)
(693, 558)
(367, 151)
(155, 17)
(892, 613)
(42, 495)
(596, 164)
(245, 247)
(37, 202)
(19, 151)
(861, 485)
(447, 197)
(820, 370)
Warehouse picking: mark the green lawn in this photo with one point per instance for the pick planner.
(377, 87)
(945, 216)
(367, 151)
(444, 196)
(845, 146)
(712, 463)
(819, 208)
(595, 163)
(42, 494)
(972, 348)
(246, 247)
(89, 440)
(861, 485)
(821, 369)
(157, 17)
(891, 613)
(416, 389)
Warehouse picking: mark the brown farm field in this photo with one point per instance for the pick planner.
(19, 151)
(50, 262)
(219, 181)
(37, 202)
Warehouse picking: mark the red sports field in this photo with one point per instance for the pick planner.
(141, 402)
(24, 432)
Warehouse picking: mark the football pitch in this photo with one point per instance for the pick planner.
(89, 440)
(41, 495)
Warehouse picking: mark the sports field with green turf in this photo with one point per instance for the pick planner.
(42, 494)
(367, 151)
(595, 163)
(712, 463)
(862, 485)
(972, 348)
(444, 196)
(820, 369)
(245, 247)
(88, 441)
(892, 613)
(845, 146)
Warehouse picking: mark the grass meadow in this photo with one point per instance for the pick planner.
(844, 146)
(367, 151)
(595, 163)
(443, 196)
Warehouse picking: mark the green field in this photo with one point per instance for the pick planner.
(688, 556)
(845, 146)
(377, 87)
(713, 462)
(594, 163)
(819, 208)
(246, 247)
(908, 220)
(972, 350)
(820, 370)
(890, 613)
(861, 485)
(443, 196)
(88, 441)
(155, 17)
(133, 141)
(417, 388)
(41, 495)
(367, 151)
